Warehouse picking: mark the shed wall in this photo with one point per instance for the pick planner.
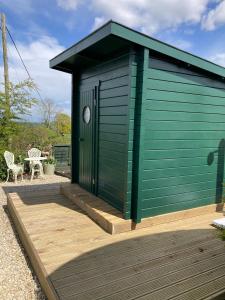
(113, 128)
(184, 138)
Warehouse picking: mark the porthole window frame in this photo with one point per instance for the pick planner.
(85, 110)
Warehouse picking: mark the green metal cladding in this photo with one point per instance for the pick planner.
(156, 139)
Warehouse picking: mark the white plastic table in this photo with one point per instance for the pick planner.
(35, 158)
(219, 223)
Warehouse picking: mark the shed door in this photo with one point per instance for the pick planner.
(87, 139)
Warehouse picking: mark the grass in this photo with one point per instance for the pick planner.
(222, 234)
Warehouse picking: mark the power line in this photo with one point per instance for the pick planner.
(15, 71)
(18, 52)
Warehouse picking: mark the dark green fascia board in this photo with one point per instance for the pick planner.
(86, 42)
(161, 47)
(114, 28)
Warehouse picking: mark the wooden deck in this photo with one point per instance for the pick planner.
(75, 259)
(112, 221)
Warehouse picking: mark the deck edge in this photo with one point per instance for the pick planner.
(104, 220)
(178, 215)
(114, 224)
(31, 252)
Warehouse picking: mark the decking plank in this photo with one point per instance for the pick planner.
(213, 290)
(75, 259)
(165, 265)
(103, 265)
(38, 266)
(186, 285)
(102, 288)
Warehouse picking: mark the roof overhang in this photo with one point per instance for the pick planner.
(90, 50)
(113, 37)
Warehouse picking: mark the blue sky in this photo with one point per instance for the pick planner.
(42, 29)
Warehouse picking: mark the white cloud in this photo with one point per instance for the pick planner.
(68, 4)
(151, 16)
(215, 17)
(180, 43)
(51, 83)
(99, 21)
(218, 58)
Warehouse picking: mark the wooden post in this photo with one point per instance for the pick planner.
(5, 60)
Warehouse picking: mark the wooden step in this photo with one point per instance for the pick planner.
(112, 221)
(108, 217)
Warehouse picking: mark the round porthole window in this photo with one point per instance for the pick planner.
(86, 114)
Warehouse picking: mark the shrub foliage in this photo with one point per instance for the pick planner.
(18, 136)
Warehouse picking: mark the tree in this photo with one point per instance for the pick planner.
(20, 103)
(62, 123)
(20, 100)
(35, 135)
(48, 111)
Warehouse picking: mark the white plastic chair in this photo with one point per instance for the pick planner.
(15, 169)
(36, 165)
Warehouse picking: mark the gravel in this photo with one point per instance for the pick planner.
(17, 279)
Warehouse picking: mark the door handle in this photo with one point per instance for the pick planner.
(81, 139)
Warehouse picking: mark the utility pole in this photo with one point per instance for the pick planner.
(5, 60)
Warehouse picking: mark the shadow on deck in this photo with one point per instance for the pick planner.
(135, 269)
(75, 259)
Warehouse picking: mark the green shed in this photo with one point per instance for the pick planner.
(148, 132)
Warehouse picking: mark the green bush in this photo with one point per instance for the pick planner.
(34, 135)
(222, 234)
(3, 167)
(50, 161)
(19, 137)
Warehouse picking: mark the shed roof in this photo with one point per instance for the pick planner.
(113, 37)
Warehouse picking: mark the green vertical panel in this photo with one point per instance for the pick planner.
(130, 136)
(86, 139)
(75, 128)
(139, 132)
(96, 134)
